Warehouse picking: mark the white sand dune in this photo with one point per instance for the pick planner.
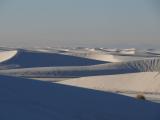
(114, 58)
(113, 55)
(146, 83)
(150, 65)
(129, 51)
(24, 99)
(100, 54)
(89, 95)
(27, 58)
(133, 82)
(153, 51)
(6, 55)
(108, 57)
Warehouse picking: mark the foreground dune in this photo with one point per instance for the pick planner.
(24, 99)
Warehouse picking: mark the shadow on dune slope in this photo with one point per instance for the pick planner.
(149, 65)
(24, 99)
(27, 59)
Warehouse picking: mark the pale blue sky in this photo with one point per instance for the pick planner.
(92, 23)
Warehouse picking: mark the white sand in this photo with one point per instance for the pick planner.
(109, 55)
(6, 55)
(53, 97)
(137, 82)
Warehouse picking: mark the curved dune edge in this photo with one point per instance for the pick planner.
(29, 59)
(6, 55)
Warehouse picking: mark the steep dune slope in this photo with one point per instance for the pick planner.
(24, 99)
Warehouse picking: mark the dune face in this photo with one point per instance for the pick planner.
(150, 65)
(6, 55)
(134, 82)
(24, 99)
(25, 59)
